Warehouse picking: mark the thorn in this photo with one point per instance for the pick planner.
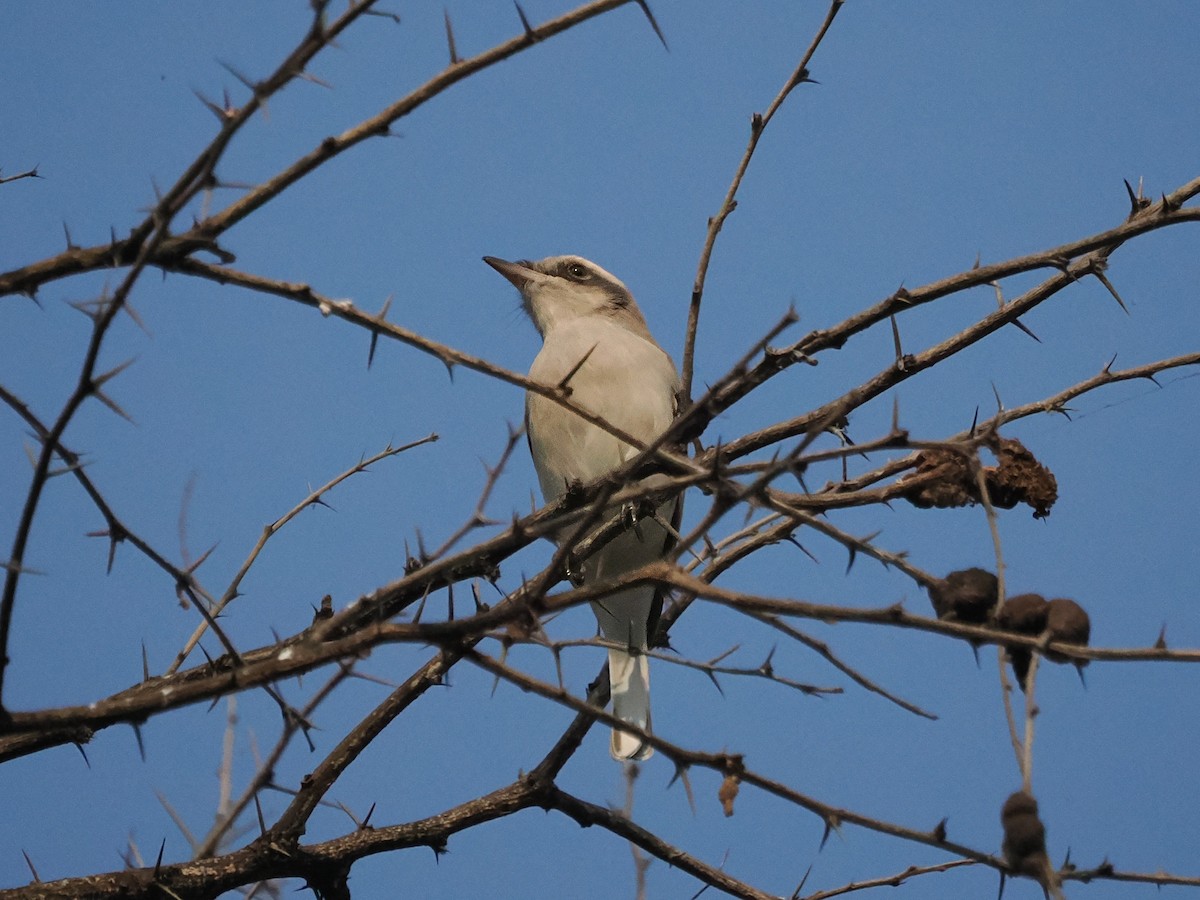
(720, 657)
(239, 76)
(829, 827)
(137, 732)
(853, 555)
(145, 663)
(17, 569)
(999, 402)
(1098, 271)
(112, 373)
(525, 23)
(382, 317)
(262, 824)
(320, 82)
(1025, 328)
(680, 772)
(93, 309)
(1136, 202)
(803, 881)
(212, 107)
(565, 384)
(79, 746)
(29, 862)
(71, 245)
(129, 310)
(203, 556)
(454, 60)
(1107, 370)
(712, 676)
(974, 422)
(383, 15)
(158, 861)
(792, 540)
(1161, 643)
(113, 405)
(653, 24)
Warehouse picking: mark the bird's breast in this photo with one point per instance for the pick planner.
(612, 373)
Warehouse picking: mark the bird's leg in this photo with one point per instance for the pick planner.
(633, 648)
(573, 571)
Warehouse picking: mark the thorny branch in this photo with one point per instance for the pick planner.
(735, 477)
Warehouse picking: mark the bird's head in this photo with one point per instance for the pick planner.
(559, 289)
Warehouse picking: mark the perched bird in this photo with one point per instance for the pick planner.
(595, 343)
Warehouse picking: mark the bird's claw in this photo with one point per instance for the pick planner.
(629, 513)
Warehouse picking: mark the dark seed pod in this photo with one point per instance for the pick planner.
(1067, 621)
(965, 595)
(1024, 836)
(1026, 614)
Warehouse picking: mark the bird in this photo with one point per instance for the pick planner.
(597, 346)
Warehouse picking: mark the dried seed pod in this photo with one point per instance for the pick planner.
(1068, 622)
(1024, 834)
(1020, 478)
(941, 479)
(1026, 614)
(1025, 838)
(965, 595)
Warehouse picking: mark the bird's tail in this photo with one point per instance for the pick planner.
(629, 681)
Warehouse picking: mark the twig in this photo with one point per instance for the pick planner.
(758, 125)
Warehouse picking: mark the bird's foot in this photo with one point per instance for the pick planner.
(632, 518)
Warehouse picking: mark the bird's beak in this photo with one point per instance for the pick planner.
(518, 273)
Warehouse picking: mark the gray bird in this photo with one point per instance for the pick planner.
(596, 343)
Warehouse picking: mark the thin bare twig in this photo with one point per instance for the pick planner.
(758, 124)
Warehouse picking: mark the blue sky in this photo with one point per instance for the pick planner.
(940, 132)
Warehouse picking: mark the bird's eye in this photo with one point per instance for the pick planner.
(578, 272)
